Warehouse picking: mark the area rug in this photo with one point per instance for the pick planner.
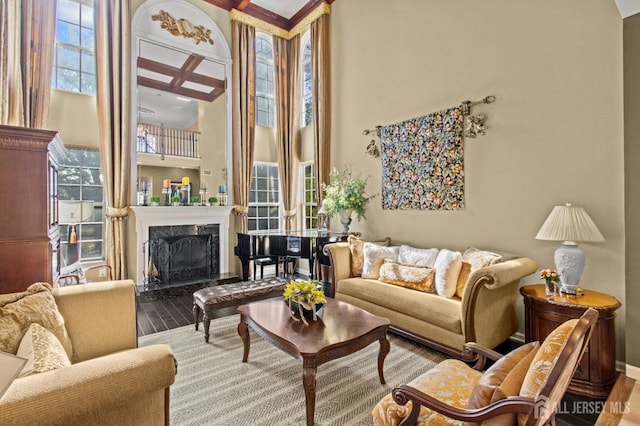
(214, 387)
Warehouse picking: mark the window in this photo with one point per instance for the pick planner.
(265, 111)
(307, 95)
(309, 204)
(74, 66)
(81, 178)
(264, 198)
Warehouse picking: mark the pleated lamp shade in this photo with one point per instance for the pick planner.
(569, 223)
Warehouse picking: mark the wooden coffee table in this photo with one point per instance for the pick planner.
(341, 329)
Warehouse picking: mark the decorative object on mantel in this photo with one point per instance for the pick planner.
(155, 200)
(551, 278)
(570, 225)
(304, 298)
(345, 195)
(213, 201)
(473, 126)
(183, 27)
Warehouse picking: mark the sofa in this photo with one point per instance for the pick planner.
(110, 381)
(483, 311)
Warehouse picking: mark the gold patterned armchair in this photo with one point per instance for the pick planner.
(523, 387)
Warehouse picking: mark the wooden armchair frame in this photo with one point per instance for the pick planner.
(540, 410)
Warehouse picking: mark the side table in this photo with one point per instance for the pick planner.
(596, 372)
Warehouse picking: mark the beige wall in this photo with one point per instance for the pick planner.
(554, 134)
(632, 184)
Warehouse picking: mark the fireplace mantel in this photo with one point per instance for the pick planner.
(147, 216)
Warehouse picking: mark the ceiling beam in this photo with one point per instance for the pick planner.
(182, 91)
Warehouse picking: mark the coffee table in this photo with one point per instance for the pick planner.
(341, 329)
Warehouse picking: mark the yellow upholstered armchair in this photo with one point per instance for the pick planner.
(523, 387)
(110, 381)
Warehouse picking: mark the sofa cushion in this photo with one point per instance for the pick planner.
(42, 350)
(411, 276)
(427, 307)
(374, 256)
(447, 266)
(485, 389)
(480, 258)
(35, 305)
(356, 246)
(463, 277)
(417, 256)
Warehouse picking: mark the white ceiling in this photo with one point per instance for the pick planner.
(628, 7)
(284, 8)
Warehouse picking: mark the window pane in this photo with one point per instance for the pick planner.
(92, 193)
(88, 83)
(68, 80)
(91, 158)
(68, 33)
(72, 159)
(69, 175)
(87, 38)
(88, 63)
(68, 11)
(87, 16)
(69, 192)
(91, 250)
(68, 58)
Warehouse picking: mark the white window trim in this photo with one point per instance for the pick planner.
(270, 97)
(306, 38)
(268, 204)
(305, 204)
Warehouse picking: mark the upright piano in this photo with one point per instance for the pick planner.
(305, 244)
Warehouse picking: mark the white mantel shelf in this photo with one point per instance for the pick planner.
(147, 216)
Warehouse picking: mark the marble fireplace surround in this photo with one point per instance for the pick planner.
(147, 217)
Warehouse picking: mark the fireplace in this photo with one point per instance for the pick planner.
(179, 245)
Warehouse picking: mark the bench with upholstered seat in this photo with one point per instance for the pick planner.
(221, 296)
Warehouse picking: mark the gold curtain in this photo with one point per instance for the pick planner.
(286, 54)
(321, 86)
(112, 19)
(243, 117)
(27, 34)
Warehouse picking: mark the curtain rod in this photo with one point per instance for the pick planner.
(464, 105)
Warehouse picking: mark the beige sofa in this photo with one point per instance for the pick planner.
(486, 312)
(112, 382)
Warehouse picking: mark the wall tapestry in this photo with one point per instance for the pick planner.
(423, 162)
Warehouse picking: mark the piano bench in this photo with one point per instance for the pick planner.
(262, 262)
(221, 296)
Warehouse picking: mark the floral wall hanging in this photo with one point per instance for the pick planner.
(423, 162)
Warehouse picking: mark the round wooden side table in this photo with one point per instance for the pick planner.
(596, 372)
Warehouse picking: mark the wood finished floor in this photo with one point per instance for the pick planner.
(173, 309)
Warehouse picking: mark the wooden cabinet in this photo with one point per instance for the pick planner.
(29, 232)
(596, 372)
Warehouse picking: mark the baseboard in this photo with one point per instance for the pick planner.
(632, 371)
(518, 337)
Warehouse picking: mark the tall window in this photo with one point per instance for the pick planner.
(264, 198)
(309, 196)
(265, 111)
(74, 66)
(307, 95)
(81, 179)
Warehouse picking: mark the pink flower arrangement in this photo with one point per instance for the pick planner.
(550, 274)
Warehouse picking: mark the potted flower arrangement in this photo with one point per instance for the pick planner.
(155, 200)
(551, 277)
(344, 196)
(304, 299)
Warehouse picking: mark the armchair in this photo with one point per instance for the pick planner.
(523, 387)
(111, 381)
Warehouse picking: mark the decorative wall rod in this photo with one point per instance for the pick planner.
(466, 105)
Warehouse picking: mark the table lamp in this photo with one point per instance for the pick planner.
(570, 225)
(73, 212)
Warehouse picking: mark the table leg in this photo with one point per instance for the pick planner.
(309, 384)
(243, 331)
(385, 346)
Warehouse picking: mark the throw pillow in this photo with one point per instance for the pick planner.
(465, 271)
(485, 389)
(374, 256)
(410, 276)
(447, 266)
(35, 305)
(416, 256)
(356, 246)
(480, 258)
(43, 351)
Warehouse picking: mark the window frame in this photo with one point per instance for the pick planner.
(306, 117)
(308, 187)
(79, 49)
(98, 206)
(269, 98)
(253, 217)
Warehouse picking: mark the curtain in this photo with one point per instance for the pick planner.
(286, 54)
(321, 86)
(112, 19)
(27, 34)
(243, 117)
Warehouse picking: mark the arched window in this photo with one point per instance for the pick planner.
(307, 95)
(265, 111)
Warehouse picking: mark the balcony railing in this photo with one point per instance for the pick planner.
(168, 141)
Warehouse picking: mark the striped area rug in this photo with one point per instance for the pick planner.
(214, 387)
